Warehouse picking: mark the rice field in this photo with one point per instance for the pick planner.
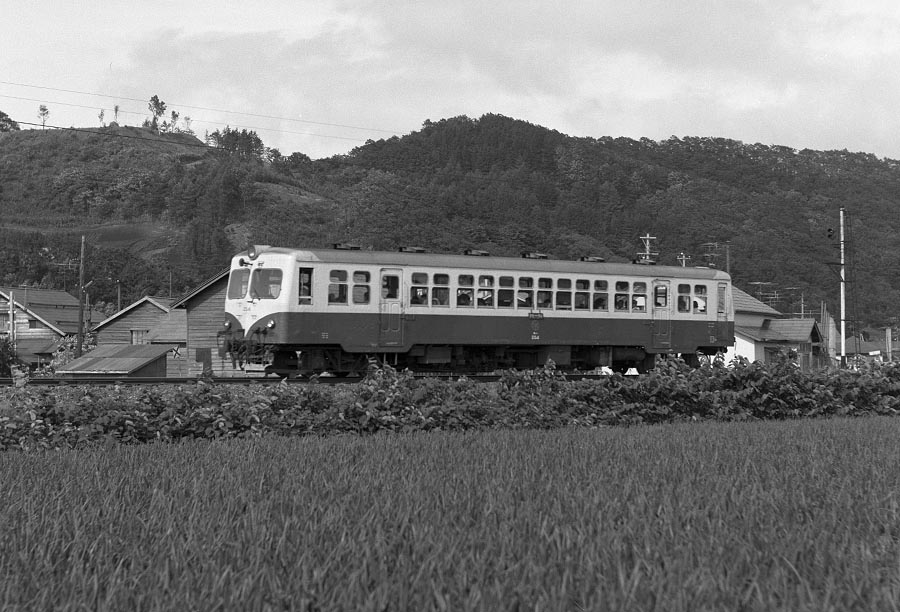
(797, 515)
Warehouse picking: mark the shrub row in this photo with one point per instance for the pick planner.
(388, 400)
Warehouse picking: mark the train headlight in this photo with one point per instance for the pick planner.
(270, 324)
(226, 324)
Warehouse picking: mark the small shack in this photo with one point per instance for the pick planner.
(125, 360)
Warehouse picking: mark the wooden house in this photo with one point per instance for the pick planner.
(39, 321)
(205, 310)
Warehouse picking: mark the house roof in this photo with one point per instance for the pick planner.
(162, 303)
(182, 301)
(57, 309)
(746, 303)
(116, 359)
(782, 330)
(172, 329)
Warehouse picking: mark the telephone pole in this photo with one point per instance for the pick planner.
(80, 338)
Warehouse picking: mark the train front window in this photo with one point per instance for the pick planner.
(265, 283)
(237, 284)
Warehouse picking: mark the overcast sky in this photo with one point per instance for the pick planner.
(322, 77)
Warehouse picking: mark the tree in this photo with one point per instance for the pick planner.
(157, 108)
(43, 113)
(7, 357)
(7, 124)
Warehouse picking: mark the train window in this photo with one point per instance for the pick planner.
(485, 298)
(639, 297)
(440, 296)
(582, 300)
(360, 294)
(621, 301)
(699, 299)
(507, 281)
(601, 301)
(545, 299)
(337, 287)
(563, 299)
(526, 282)
(545, 283)
(390, 287)
(564, 283)
(466, 280)
(684, 298)
(441, 279)
(621, 285)
(265, 283)
(419, 278)
(485, 281)
(505, 297)
(601, 285)
(418, 296)
(361, 277)
(525, 299)
(304, 289)
(582, 284)
(464, 297)
(660, 296)
(238, 283)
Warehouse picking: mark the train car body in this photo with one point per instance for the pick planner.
(293, 310)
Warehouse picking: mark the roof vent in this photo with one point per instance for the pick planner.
(476, 252)
(534, 255)
(345, 246)
(411, 249)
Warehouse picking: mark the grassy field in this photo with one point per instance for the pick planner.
(798, 515)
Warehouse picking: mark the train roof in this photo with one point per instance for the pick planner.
(482, 262)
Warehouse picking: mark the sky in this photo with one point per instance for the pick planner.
(324, 76)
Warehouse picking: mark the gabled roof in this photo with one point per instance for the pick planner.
(172, 329)
(182, 301)
(56, 309)
(162, 303)
(116, 359)
(746, 303)
(782, 330)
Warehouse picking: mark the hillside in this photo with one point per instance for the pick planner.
(492, 183)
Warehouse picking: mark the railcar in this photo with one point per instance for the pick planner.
(291, 311)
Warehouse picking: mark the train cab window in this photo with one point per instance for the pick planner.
(601, 295)
(238, 283)
(699, 299)
(361, 287)
(304, 288)
(390, 287)
(525, 299)
(265, 283)
(545, 299)
(464, 297)
(639, 297)
(684, 298)
(337, 287)
(660, 296)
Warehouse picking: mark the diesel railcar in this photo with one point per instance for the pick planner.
(291, 311)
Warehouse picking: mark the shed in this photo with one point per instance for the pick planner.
(126, 360)
(205, 310)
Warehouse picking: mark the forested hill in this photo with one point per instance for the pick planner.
(492, 183)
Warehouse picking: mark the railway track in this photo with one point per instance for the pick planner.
(268, 380)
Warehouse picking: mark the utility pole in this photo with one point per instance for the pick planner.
(80, 338)
(843, 296)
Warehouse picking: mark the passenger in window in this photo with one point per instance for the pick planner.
(639, 303)
(464, 297)
(622, 302)
(699, 305)
(418, 296)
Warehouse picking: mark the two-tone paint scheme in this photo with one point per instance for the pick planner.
(294, 310)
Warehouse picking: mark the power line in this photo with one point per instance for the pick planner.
(214, 110)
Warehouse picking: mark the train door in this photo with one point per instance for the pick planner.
(722, 311)
(662, 323)
(390, 308)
